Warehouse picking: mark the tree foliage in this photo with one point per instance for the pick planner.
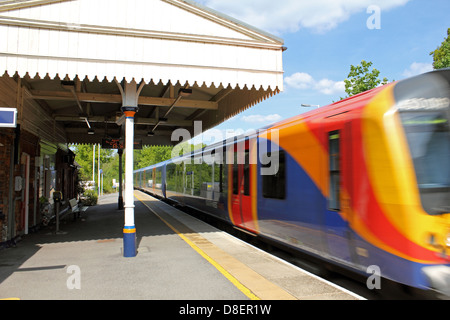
(151, 155)
(361, 79)
(109, 160)
(84, 157)
(109, 163)
(441, 56)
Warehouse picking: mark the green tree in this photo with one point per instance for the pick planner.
(110, 172)
(110, 161)
(361, 79)
(151, 155)
(441, 56)
(84, 156)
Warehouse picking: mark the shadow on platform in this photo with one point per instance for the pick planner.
(102, 223)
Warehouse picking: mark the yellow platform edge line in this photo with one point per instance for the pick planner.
(224, 272)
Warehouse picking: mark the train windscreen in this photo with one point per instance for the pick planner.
(426, 120)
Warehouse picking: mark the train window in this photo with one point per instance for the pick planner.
(247, 173)
(197, 178)
(189, 176)
(153, 177)
(189, 183)
(223, 172)
(171, 177)
(207, 180)
(158, 178)
(334, 154)
(218, 175)
(274, 186)
(235, 175)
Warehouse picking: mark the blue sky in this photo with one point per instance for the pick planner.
(325, 37)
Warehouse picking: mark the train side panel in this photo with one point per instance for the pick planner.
(317, 213)
(291, 206)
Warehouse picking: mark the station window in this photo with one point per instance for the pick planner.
(274, 186)
(335, 174)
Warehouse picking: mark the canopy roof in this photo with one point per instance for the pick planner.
(72, 55)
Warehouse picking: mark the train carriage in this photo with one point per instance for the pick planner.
(362, 182)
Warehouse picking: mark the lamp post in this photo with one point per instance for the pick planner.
(311, 106)
(120, 204)
(99, 170)
(93, 165)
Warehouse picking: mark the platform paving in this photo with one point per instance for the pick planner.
(179, 258)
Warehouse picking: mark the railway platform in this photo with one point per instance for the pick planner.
(179, 258)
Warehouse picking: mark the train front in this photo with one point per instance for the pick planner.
(423, 104)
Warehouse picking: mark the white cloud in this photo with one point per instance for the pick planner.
(330, 87)
(292, 15)
(300, 80)
(260, 118)
(417, 68)
(304, 81)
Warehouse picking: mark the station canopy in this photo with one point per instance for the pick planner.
(189, 62)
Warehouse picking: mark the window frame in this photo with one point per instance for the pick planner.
(280, 178)
(334, 173)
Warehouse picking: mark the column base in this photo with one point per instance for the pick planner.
(129, 242)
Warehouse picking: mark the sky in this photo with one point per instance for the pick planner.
(325, 37)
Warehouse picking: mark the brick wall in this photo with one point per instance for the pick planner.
(6, 140)
(8, 99)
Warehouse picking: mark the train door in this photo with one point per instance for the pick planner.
(338, 213)
(242, 186)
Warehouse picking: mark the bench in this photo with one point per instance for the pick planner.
(76, 208)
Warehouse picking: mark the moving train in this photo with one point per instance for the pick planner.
(362, 182)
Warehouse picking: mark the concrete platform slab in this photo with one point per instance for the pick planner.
(179, 258)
